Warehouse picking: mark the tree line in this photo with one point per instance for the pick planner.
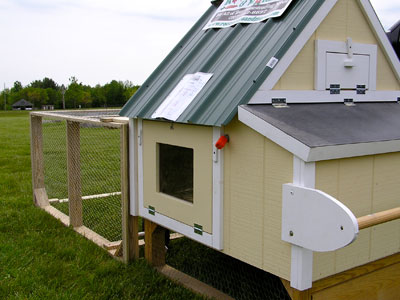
(75, 95)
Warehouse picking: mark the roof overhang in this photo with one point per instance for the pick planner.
(316, 139)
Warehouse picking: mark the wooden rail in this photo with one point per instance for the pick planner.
(378, 218)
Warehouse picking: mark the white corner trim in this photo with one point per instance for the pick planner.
(133, 168)
(311, 96)
(389, 52)
(140, 163)
(218, 192)
(303, 172)
(274, 134)
(322, 47)
(302, 259)
(299, 43)
(301, 264)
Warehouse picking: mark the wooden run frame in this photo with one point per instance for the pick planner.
(128, 248)
(375, 280)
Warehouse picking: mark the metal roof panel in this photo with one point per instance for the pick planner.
(237, 56)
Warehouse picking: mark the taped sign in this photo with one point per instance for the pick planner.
(232, 12)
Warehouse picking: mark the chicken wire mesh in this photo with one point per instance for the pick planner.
(227, 274)
(100, 172)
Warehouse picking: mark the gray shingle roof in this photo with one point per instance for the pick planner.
(22, 103)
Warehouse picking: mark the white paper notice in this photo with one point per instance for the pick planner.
(181, 96)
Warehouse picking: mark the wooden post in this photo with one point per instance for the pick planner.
(378, 218)
(74, 174)
(154, 247)
(37, 162)
(130, 224)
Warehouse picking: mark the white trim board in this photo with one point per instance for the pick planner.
(218, 192)
(309, 154)
(133, 168)
(311, 96)
(301, 268)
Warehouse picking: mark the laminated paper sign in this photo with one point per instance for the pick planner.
(181, 96)
(232, 12)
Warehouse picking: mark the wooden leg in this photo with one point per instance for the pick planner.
(154, 249)
(74, 174)
(37, 159)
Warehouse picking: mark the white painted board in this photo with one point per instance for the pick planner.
(315, 220)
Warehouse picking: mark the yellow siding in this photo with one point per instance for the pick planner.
(345, 20)
(255, 169)
(365, 185)
(199, 138)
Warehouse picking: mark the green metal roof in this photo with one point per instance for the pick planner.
(237, 56)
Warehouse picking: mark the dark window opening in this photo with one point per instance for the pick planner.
(176, 171)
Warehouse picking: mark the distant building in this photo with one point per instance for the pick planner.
(22, 105)
(48, 107)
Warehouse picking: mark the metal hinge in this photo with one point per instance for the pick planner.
(361, 89)
(349, 102)
(198, 229)
(334, 89)
(152, 210)
(279, 102)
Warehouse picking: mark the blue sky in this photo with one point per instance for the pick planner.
(101, 40)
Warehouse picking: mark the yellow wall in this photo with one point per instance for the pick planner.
(255, 169)
(199, 138)
(366, 185)
(345, 20)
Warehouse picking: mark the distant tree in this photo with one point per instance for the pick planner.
(98, 96)
(17, 87)
(114, 92)
(77, 94)
(46, 83)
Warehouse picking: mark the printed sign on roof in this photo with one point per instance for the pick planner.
(232, 12)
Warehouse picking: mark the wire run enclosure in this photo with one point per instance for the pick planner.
(80, 175)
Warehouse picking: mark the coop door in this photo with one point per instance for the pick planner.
(177, 173)
(345, 64)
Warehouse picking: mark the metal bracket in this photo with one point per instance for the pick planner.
(152, 210)
(198, 229)
(349, 102)
(334, 89)
(279, 102)
(361, 89)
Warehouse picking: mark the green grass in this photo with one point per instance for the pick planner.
(42, 259)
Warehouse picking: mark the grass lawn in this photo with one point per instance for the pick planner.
(42, 259)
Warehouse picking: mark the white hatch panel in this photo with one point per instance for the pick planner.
(348, 77)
